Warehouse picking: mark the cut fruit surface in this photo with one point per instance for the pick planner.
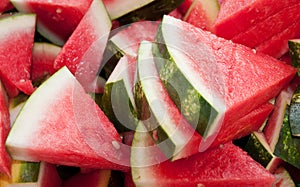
(57, 19)
(43, 56)
(82, 53)
(226, 164)
(237, 16)
(71, 131)
(17, 34)
(219, 67)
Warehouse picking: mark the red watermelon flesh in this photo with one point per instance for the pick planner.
(66, 119)
(56, 19)
(5, 159)
(202, 14)
(17, 35)
(240, 128)
(270, 26)
(5, 5)
(43, 56)
(183, 8)
(83, 51)
(246, 79)
(277, 45)
(97, 178)
(237, 16)
(226, 165)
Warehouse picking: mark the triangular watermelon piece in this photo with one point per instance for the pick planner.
(265, 29)
(82, 53)
(226, 165)
(57, 19)
(233, 75)
(57, 124)
(43, 56)
(237, 16)
(5, 160)
(277, 45)
(5, 5)
(16, 38)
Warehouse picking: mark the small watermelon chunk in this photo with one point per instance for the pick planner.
(226, 165)
(277, 45)
(237, 16)
(57, 19)
(5, 160)
(202, 14)
(294, 53)
(82, 53)
(57, 129)
(43, 56)
(17, 35)
(264, 30)
(5, 5)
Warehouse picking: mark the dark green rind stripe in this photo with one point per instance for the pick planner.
(123, 116)
(294, 46)
(294, 115)
(29, 172)
(152, 11)
(198, 112)
(257, 151)
(288, 147)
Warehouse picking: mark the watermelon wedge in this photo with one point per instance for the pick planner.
(219, 66)
(202, 14)
(17, 33)
(56, 20)
(64, 137)
(238, 16)
(5, 159)
(82, 53)
(270, 26)
(43, 56)
(226, 165)
(5, 5)
(277, 45)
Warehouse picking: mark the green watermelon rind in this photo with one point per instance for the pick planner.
(190, 95)
(154, 108)
(294, 52)
(288, 147)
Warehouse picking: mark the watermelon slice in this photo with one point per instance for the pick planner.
(226, 165)
(196, 71)
(278, 44)
(97, 178)
(294, 114)
(5, 159)
(238, 16)
(184, 7)
(283, 178)
(43, 56)
(17, 33)
(54, 136)
(294, 53)
(5, 5)
(202, 14)
(270, 26)
(56, 20)
(117, 101)
(83, 52)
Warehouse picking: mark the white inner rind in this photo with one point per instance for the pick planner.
(171, 31)
(118, 8)
(152, 88)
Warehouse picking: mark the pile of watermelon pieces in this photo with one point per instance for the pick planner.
(145, 93)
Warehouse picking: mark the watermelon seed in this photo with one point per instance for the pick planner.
(116, 144)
